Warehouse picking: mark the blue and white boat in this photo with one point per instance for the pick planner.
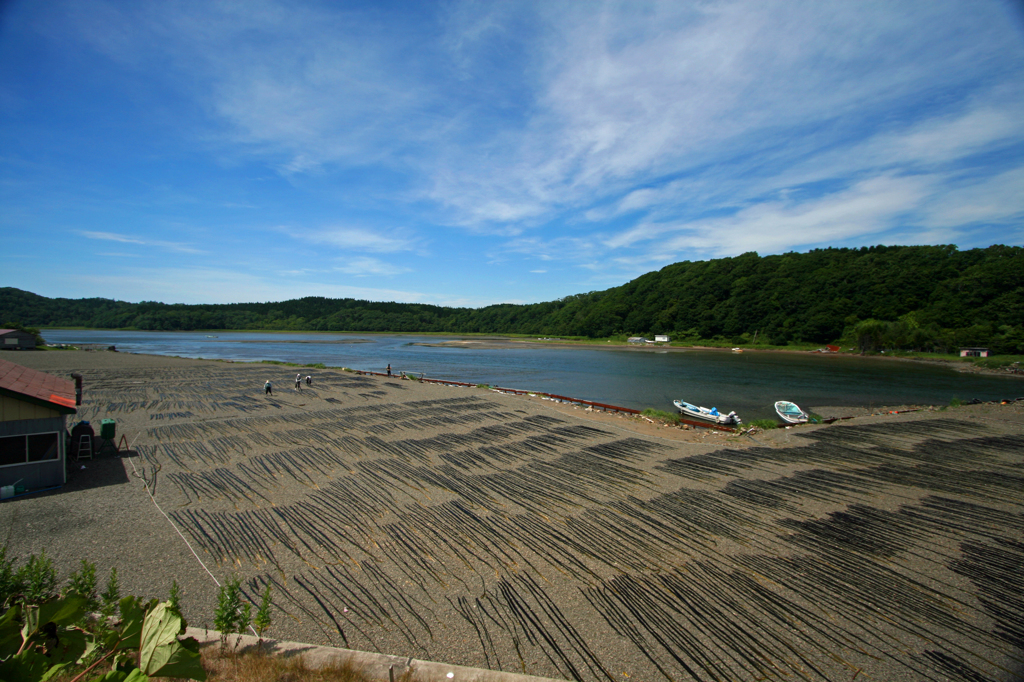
(790, 412)
(705, 414)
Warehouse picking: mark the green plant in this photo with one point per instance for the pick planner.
(112, 595)
(83, 582)
(815, 418)
(10, 584)
(244, 620)
(262, 620)
(227, 617)
(39, 578)
(667, 417)
(764, 424)
(956, 402)
(175, 597)
(483, 385)
(40, 641)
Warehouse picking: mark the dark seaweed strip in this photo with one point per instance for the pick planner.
(563, 626)
(317, 598)
(716, 615)
(553, 545)
(325, 514)
(415, 550)
(386, 584)
(463, 608)
(623, 626)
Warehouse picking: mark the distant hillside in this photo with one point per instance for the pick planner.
(927, 297)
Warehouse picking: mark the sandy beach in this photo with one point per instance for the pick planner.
(514, 533)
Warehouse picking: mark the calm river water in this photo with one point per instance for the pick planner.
(748, 383)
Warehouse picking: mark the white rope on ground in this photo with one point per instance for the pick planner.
(176, 530)
(187, 543)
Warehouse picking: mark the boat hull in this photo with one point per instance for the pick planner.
(704, 414)
(790, 412)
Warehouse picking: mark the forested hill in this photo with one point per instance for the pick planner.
(933, 295)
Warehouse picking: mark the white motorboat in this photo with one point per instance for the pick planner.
(791, 412)
(705, 414)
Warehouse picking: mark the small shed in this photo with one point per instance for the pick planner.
(15, 339)
(33, 408)
(636, 339)
(974, 352)
(660, 338)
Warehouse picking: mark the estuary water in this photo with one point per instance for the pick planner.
(748, 383)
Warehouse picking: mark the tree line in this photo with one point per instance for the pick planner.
(930, 298)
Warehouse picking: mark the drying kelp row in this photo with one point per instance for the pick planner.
(404, 416)
(747, 580)
(223, 534)
(200, 390)
(312, 464)
(867, 446)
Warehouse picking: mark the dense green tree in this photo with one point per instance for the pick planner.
(923, 297)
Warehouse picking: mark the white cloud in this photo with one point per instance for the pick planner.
(356, 239)
(998, 199)
(866, 208)
(124, 239)
(363, 267)
(210, 285)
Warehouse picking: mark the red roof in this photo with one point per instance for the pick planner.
(37, 386)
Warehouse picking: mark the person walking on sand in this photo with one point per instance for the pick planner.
(389, 369)
(267, 389)
(298, 382)
(309, 380)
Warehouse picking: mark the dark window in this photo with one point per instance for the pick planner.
(42, 446)
(12, 450)
(39, 447)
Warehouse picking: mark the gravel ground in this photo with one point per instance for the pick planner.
(513, 533)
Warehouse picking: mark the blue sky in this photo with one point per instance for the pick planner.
(475, 153)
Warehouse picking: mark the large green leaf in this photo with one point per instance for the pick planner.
(28, 666)
(10, 633)
(133, 614)
(64, 612)
(177, 660)
(70, 646)
(160, 652)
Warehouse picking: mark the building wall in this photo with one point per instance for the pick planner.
(36, 475)
(12, 409)
(17, 340)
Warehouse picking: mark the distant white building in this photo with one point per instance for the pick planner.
(660, 338)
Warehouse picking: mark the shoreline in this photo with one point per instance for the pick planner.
(954, 363)
(498, 341)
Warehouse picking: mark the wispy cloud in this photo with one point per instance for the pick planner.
(365, 267)
(585, 142)
(356, 239)
(125, 239)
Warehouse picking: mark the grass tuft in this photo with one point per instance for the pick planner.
(661, 415)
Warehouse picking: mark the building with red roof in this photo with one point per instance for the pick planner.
(16, 339)
(33, 409)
